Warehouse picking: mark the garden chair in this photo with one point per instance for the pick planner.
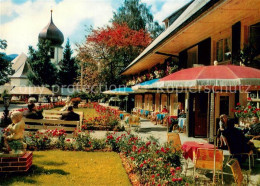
(236, 170)
(174, 140)
(256, 141)
(134, 121)
(250, 154)
(165, 120)
(204, 159)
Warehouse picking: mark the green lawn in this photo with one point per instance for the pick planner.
(88, 112)
(71, 168)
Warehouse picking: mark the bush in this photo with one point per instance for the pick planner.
(39, 140)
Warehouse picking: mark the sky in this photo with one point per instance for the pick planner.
(22, 20)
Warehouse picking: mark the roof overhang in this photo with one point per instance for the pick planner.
(213, 17)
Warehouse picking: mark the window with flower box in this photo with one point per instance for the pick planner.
(223, 47)
(255, 98)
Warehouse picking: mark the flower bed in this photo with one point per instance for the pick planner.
(56, 139)
(108, 118)
(46, 106)
(146, 162)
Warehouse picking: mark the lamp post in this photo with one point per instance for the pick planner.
(6, 121)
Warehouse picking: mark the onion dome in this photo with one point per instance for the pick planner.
(52, 33)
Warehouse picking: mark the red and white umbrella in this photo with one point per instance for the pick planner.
(214, 77)
(211, 76)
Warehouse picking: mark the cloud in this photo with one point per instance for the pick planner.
(33, 16)
(163, 8)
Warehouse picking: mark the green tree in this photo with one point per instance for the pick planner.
(5, 65)
(69, 67)
(137, 16)
(44, 72)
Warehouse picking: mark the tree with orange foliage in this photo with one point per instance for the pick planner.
(111, 49)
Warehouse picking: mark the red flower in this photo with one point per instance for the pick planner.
(178, 168)
(238, 104)
(245, 111)
(158, 174)
(249, 106)
(179, 179)
(174, 179)
(132, 158)
(163, 150)
(249, 99)
(153, 176)
(67, 139)
(141, 165)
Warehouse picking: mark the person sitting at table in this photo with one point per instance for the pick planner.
(254, 128)
(70, 115)
(165, 110)
(175, 121)
(32, 113)
(235, 139)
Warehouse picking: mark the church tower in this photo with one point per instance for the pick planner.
(52, 33)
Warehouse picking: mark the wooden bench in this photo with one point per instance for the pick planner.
(55, 114)
(51, 124)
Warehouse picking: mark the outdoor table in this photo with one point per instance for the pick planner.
(189, 148)
(146, 113)
(121, 116)
(160, 116)
(182, 122)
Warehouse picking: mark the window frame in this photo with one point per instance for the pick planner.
(223, 50)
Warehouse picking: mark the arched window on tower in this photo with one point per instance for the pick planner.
(52, 52)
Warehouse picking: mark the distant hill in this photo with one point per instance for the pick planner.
(12, 56)
(9, 57)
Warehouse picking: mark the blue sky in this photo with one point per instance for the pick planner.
(22, 20)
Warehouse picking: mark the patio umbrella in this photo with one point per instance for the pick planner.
(215, 77)
(150, 82)
(120, 91)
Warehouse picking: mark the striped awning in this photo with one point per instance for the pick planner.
(120, 91)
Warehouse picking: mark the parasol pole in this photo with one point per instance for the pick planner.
(212, 115)
(214, 170)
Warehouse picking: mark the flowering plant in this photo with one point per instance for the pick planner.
(247, 111)
(155, 163)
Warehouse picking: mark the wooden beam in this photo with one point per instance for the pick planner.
(164, 54)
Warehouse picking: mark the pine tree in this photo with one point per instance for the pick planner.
(44, 72)
(68, 67)
(137, 15)
(5, 65)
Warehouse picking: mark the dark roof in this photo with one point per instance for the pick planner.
(52, 33)
(177, 13)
